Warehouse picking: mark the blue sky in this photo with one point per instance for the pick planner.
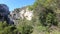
(12, 4)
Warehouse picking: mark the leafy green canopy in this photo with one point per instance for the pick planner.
(44, 10)
(7, 29)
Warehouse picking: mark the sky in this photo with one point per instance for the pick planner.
(12, 4)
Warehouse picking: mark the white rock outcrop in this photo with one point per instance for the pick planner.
(23, 13)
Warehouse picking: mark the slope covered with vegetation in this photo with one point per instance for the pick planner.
(45, 20)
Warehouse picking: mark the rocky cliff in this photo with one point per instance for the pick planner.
(21, 13)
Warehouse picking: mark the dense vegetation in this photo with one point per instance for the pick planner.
(44, 21)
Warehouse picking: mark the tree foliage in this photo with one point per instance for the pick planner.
(44, 10)
(7, 29)
(44, 18)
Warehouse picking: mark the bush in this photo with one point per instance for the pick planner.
(7, 29)
(25, 27)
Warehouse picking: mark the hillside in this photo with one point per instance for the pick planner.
(21, 13)
(43, 17)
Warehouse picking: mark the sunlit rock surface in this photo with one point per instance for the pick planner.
(22, 13)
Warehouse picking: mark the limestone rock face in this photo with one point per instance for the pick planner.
(22, 13)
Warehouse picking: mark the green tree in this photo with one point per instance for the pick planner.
(44, 10)
(7, 29)
(25, 26)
